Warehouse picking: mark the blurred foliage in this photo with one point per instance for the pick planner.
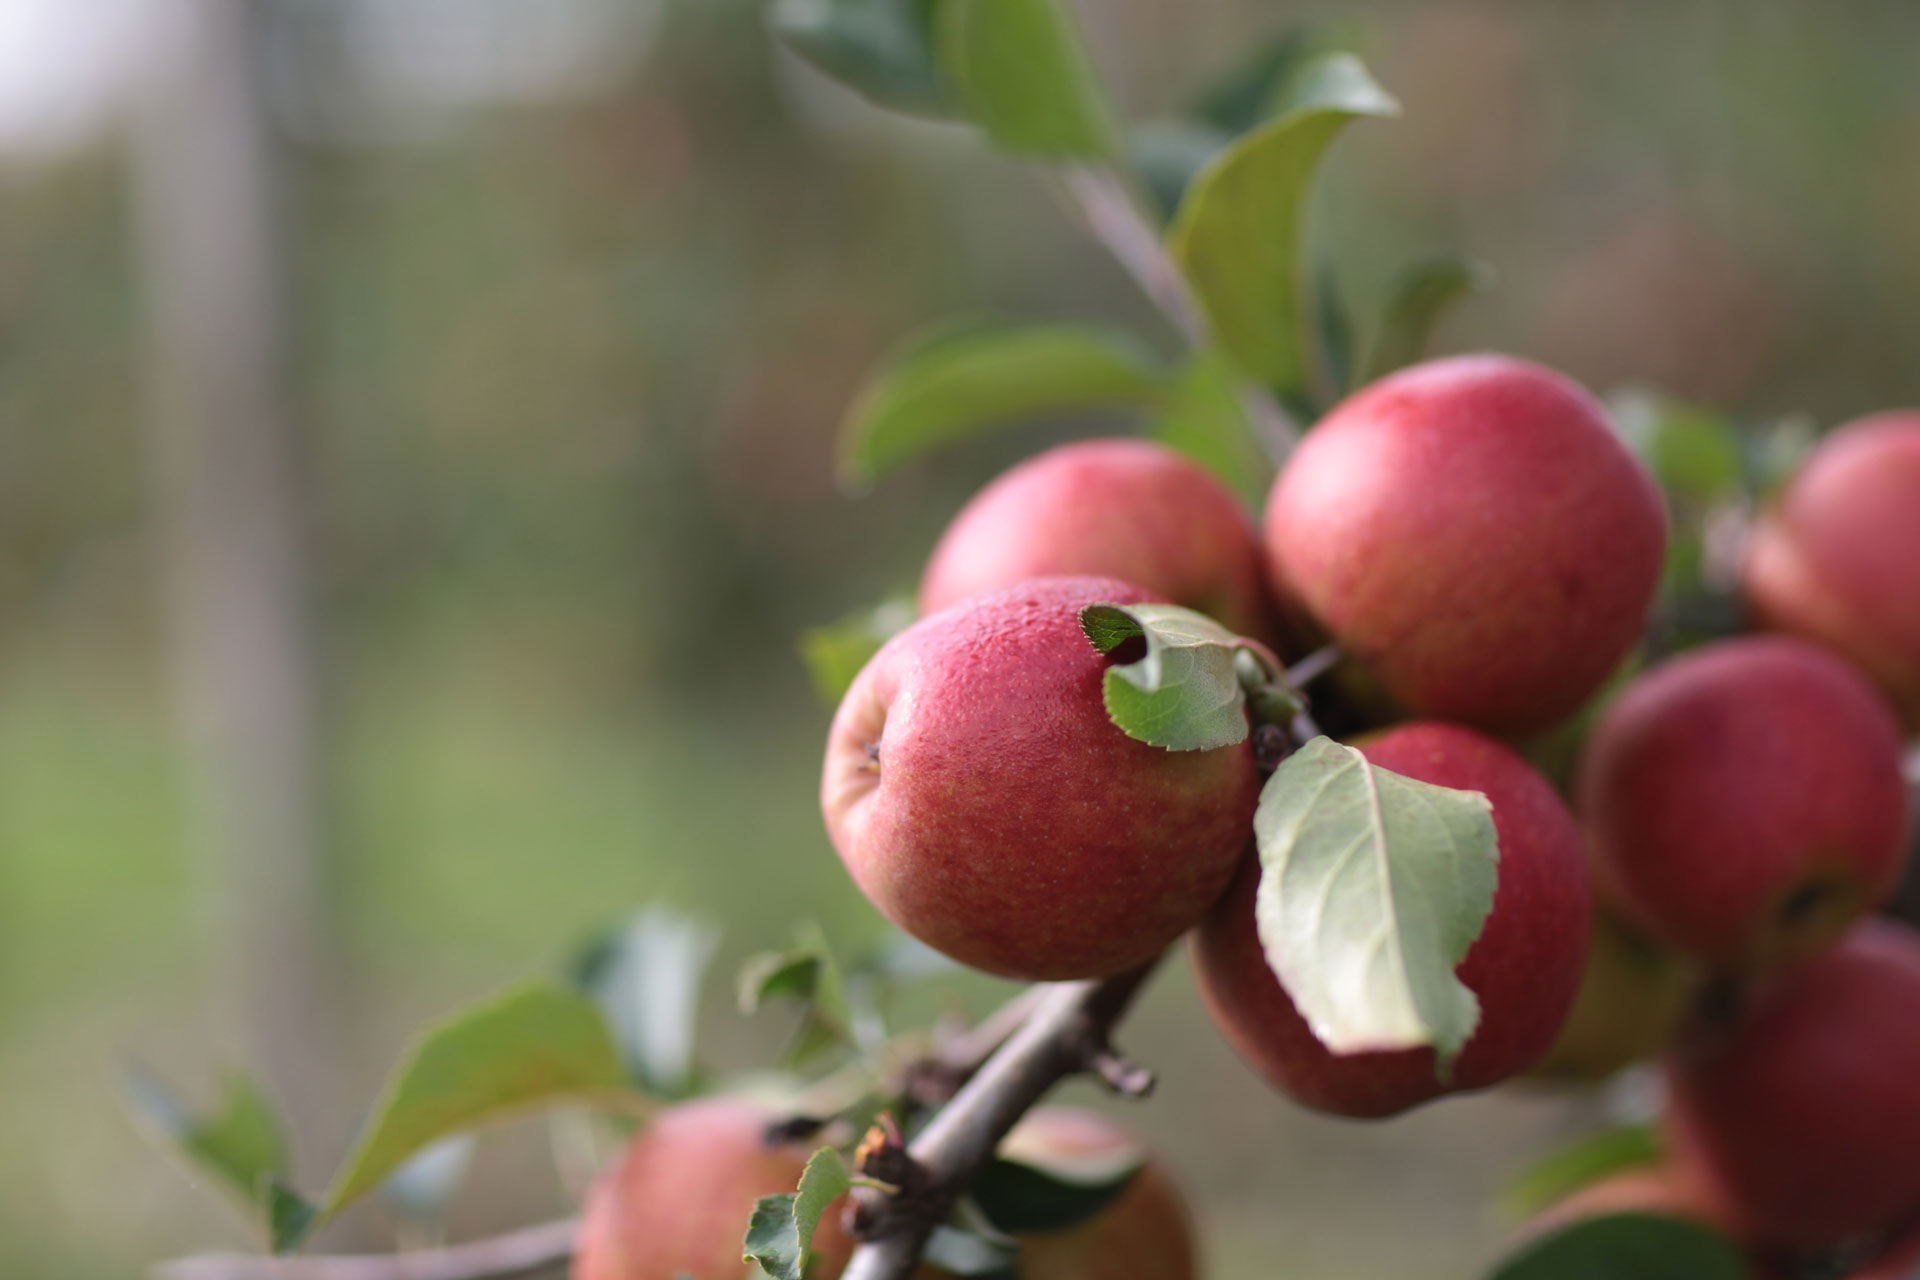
(572, 372)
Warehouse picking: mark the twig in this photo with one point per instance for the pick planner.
(1313, 666)
(1066, 1032)
(519, 1255)
(1113, 216)
(931, 1079)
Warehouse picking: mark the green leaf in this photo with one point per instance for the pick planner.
(1023, 71)
(240, 1141)
(1372, 888)
(1025, 1192)
(1240, 232)
(291, 1217)
(645, 975)
(1188, 691)
(883, 49)
(808, 976)
(836, 652)
(1695, 454)
(960, 384)
(1581, 1163)
(780, 1232)
(1626, 1246)
(1266, 80)
(1414, 305)
(537, 1044)
(1204, 419)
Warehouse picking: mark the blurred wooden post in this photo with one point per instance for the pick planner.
(231, 488)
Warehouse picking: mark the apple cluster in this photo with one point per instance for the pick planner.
(1483, 553)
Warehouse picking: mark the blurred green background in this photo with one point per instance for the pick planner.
(578, 293)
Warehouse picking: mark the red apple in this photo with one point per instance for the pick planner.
(1744, 801)
(1525, 966)
(1800, 1117)
(1475, 536)
(980, 796)
(1128, 509)
(1837, 559)
(1145, 1232)
(678, 1201)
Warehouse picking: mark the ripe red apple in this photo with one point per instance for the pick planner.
(678, 1201)
(1837, 559)
(1145, 1232)
(1800, 1116)
(1127, 509)
(1475, 536)
(1632, 1000)
(1744, 801)
(1525, 966)
(980, 796)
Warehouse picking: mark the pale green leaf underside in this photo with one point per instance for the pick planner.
(1186, 693)
(1240, 229)
(1373, 886)
(960, 384)
(1025, 76)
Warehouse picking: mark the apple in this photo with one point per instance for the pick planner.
(1128, 509)
(1632, 999)
(1145, 1232)
(1474, 535)
(985, 803)
(1799, 1116)
(1744, 801)
(677, 1202)
(1525, 967)
(1837, 558)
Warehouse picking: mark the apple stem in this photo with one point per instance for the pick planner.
(530, 1252)
(1313, 666)
(1068, 1031)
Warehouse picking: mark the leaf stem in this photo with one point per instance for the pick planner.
(1313, 666)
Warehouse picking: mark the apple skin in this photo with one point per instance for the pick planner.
(1837, 559)
(1001, 818)
(1799, 1117)
(1128, 509)
(1474, 536)
(1744, 801)
(678, 1200)
(1633, 998)
(1525, 966)
(1146, 1232)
